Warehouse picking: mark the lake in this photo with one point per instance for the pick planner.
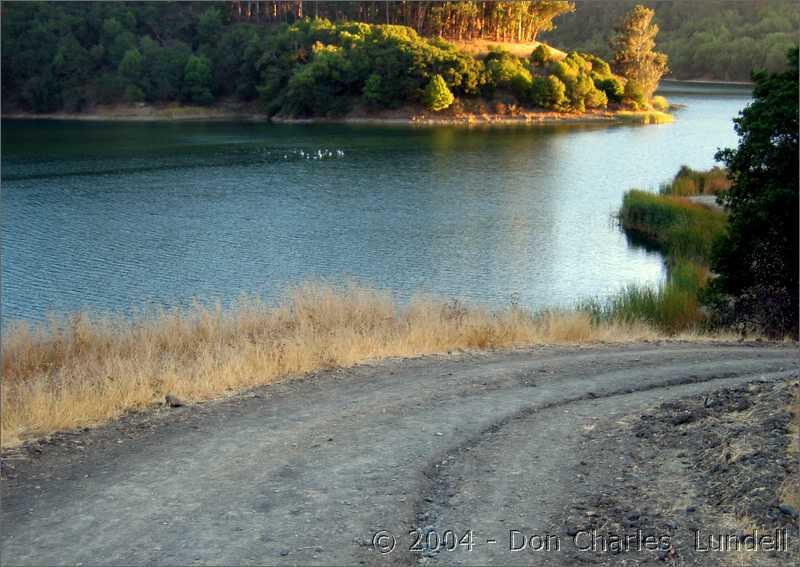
(112, 216)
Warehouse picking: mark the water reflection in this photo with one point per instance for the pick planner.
(113, 215)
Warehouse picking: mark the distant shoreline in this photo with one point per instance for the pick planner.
(407, 117)
(709, 82)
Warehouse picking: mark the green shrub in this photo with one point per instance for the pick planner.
(541, 55)
(634, 94)
(548, 92)
(599, 67)
(660, 103)
(372, 93)
(581, 92)
(437, 96)
(521, 85)
(613, 88)
(502, 69)
(197, 81)
(319, 88)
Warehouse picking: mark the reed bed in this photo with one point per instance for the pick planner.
(679, 227)
(689, 182)
(84, 370)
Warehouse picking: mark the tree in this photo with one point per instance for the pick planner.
(197, 81)
(542, 15)
(757, 259)
(437, 96)
(131, 66)
(209, 27)
(633, 46)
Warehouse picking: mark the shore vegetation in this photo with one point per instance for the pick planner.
(61, 57)
(83, 369)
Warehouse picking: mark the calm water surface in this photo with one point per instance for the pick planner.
(114, 216)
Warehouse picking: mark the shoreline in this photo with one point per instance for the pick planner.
(189, 114)
(709, 82)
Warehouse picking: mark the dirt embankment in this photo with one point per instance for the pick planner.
(710, 479)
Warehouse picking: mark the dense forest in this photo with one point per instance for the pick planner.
(70, 56)
(712, 39)
(307, 58)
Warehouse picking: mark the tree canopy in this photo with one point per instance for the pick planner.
(757, 260)
(634, 54)
(459, 19)
(65, 56)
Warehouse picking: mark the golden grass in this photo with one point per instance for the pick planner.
(85, 370)
(645, 116)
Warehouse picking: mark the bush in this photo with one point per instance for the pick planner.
(634, 94)
(613, 88)
(437, 96)
(660, 103)
(197, 81)
(548, 92)
(320, 87)
(541, 55)
(502, 68)
(599, 67)
(521, 85)
(372, 90)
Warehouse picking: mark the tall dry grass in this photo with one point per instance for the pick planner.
(86, 370)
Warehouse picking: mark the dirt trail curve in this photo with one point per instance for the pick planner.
(307, 471)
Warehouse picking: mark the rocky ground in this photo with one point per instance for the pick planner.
(687, 471)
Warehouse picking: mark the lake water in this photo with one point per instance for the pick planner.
(114, 216)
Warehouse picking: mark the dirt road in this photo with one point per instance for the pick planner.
(308, 471)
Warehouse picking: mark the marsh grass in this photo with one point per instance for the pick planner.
(690, 182)
(84, 370)
(680, 228)
(672, 307)
(685, 232)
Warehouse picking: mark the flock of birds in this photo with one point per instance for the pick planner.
(319, 154)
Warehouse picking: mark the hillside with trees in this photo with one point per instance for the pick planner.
(520, 21)
(71, 57)
(712, 39)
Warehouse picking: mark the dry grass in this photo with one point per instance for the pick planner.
(481, 47)
(85, 370)
(645, 116)
(790, 491)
